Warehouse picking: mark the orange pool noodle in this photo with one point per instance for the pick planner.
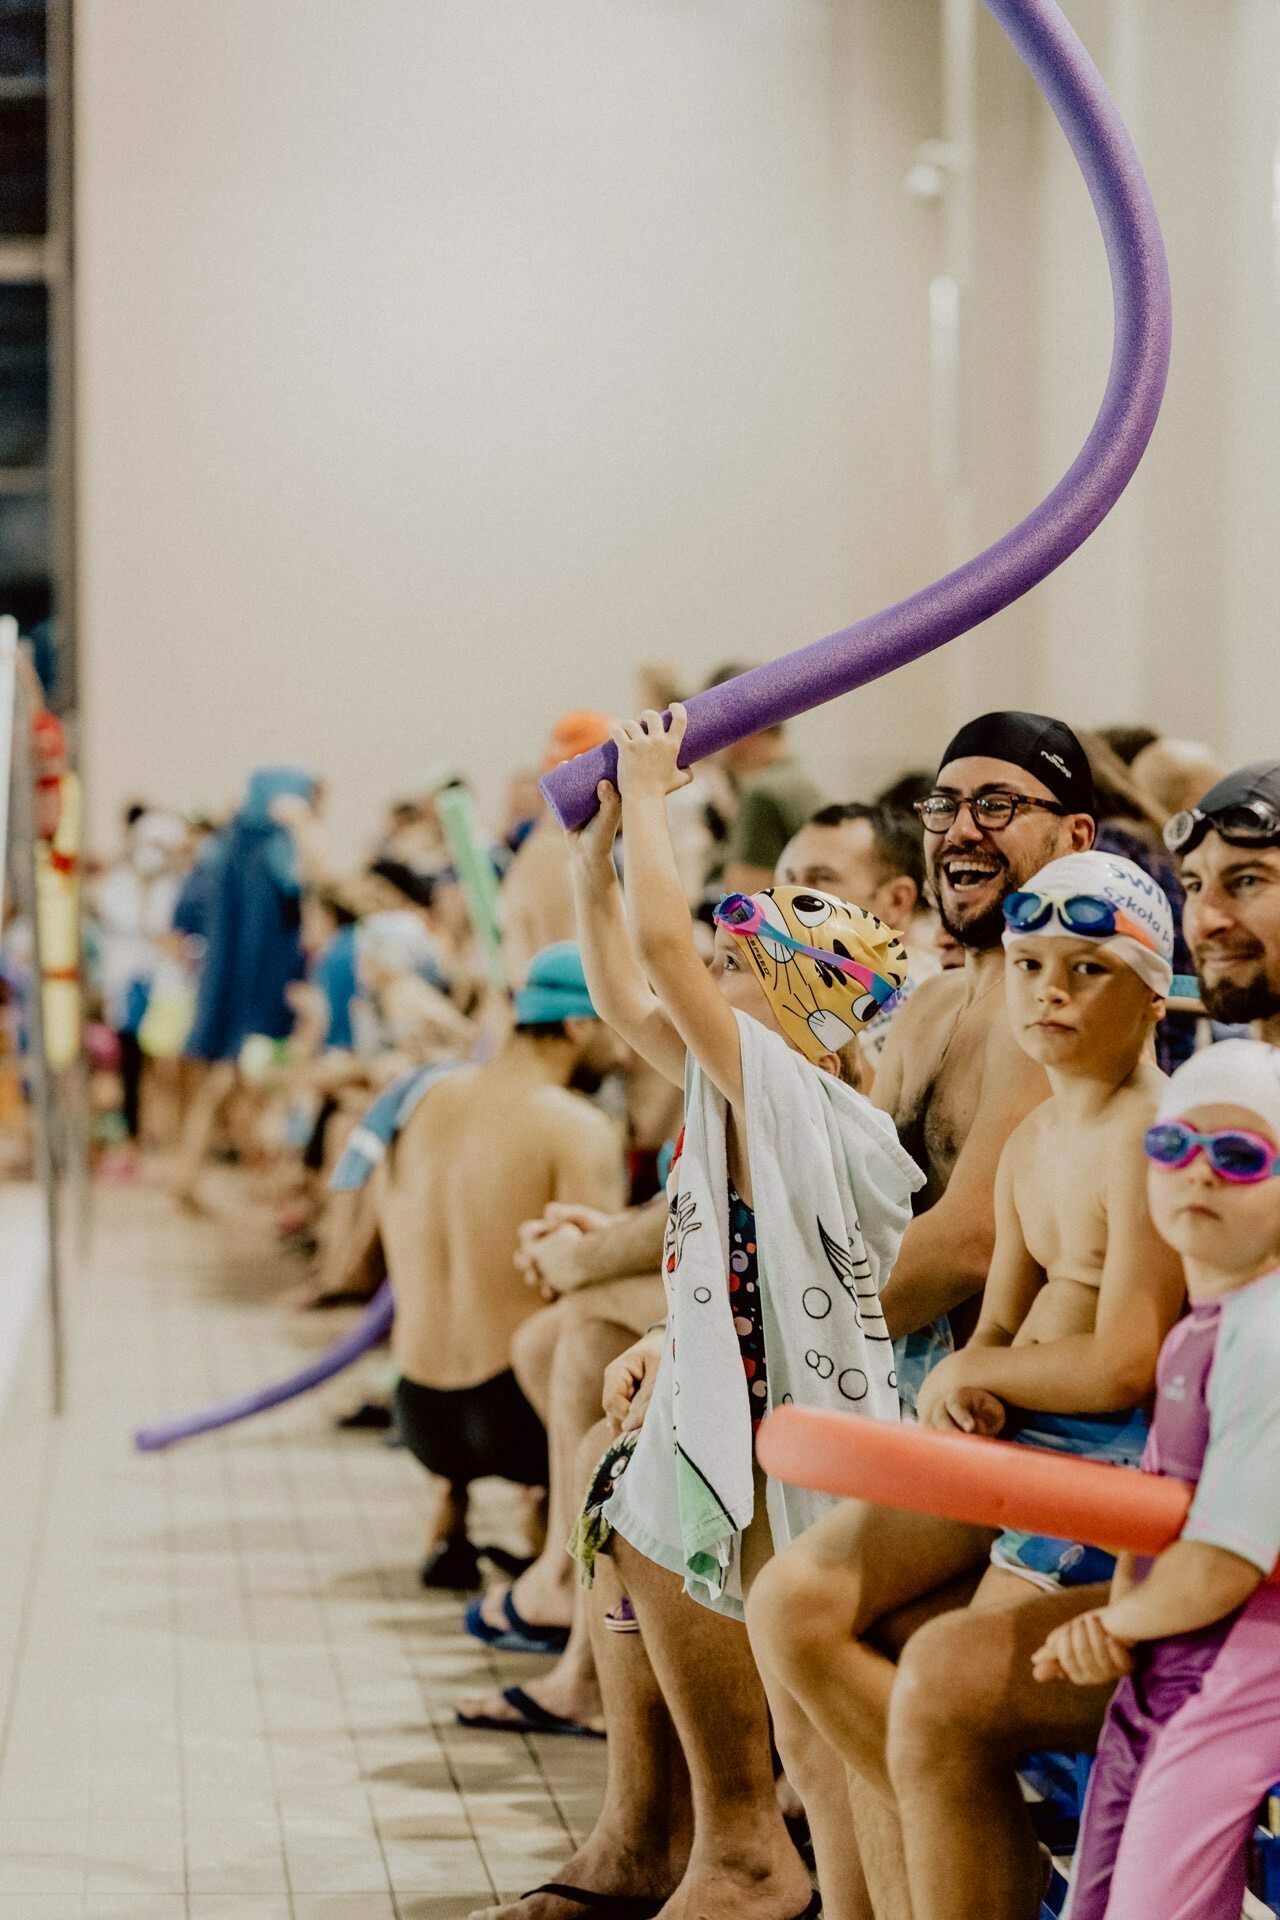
(960, 1477)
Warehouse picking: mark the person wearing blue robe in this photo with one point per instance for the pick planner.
(253, 930)
(251, 907)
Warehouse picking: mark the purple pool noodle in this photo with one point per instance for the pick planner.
(1080, 501)
(372, 1326)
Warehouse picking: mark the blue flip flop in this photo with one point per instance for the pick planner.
(533, 1719)
(518, 1636)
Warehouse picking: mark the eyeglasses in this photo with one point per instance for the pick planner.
(1087, 914)
(1250, 823)
(1240, 1158)
(738, 913)
(990, 811)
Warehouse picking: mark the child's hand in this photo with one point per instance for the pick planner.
(648, 755)
(950, 1405)
(592, 844)
(1083, 1651)
(629, 1382)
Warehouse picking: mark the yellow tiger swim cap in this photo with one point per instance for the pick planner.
(827, 968)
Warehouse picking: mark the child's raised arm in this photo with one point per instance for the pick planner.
(619, 991)
(657, 913)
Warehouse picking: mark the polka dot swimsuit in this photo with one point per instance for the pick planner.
(744, 1297)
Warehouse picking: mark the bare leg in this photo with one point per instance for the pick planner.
(965, 1710)
(449, 1522)
(641, 1841)
(562, 1379)
(202, 1117)
(813, 1609)
(743, 1863)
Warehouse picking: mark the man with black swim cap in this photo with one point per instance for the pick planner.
(1229, 847)
(1007, 787)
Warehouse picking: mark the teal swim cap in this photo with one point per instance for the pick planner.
(556, 988)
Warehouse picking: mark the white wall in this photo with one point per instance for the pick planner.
(440, 362)
(443, 359)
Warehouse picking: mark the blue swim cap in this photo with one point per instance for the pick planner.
(556, 988)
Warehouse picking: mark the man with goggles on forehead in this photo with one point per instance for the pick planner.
(1229, 850)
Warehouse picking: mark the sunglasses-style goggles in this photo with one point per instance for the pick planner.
(1087, 914)
(1238, 1157)
(991, 811)
(1250, 823)
(738, 913)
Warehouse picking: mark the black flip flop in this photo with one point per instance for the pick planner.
(621, 1906)
(519, 1635)
(533, 1719)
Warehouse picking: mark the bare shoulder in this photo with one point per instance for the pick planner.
(936, 1003)
(1128, 1115)
(567, 1114)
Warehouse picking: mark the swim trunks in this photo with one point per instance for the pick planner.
(1118, 1439)
(466, 1433)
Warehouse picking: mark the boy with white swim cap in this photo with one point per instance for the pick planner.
(1192, 1737)
(1081, 1292)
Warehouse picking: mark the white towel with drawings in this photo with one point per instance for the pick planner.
(832, 1193)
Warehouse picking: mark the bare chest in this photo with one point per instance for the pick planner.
(1061, 1204)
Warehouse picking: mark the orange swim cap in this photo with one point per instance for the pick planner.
(574, 733)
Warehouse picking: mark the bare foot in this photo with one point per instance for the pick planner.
(542, 1602)
(617, 1874)
(559, 1692)
(712, 1890)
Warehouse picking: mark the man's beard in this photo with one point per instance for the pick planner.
(1236, 1003)
(587, 1078)
(983, 931)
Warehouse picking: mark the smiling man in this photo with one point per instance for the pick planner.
(1230, 851)
(1013, 792)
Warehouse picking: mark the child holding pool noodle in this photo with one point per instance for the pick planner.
(1192, 1738)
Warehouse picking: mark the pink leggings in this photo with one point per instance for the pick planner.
(1181, 1855)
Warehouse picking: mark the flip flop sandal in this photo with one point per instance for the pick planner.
(518, 1636)
(619, 1906)
(623, 1617)
(814, 1909)
(533, 1719)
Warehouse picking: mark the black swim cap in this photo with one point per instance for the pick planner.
(1244, 808)
(1046, 749)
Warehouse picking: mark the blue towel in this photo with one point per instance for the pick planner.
(368, 1143)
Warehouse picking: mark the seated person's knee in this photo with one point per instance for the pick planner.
(795, 1613)
(533, 1346)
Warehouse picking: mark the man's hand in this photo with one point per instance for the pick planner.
(564, 1213)
(546, 1256)
(1084, 1651)
(550, 1261)
(948, 1403)
(629, 1382)
(648, 755)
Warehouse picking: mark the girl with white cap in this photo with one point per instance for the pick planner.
(1192, 1738)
